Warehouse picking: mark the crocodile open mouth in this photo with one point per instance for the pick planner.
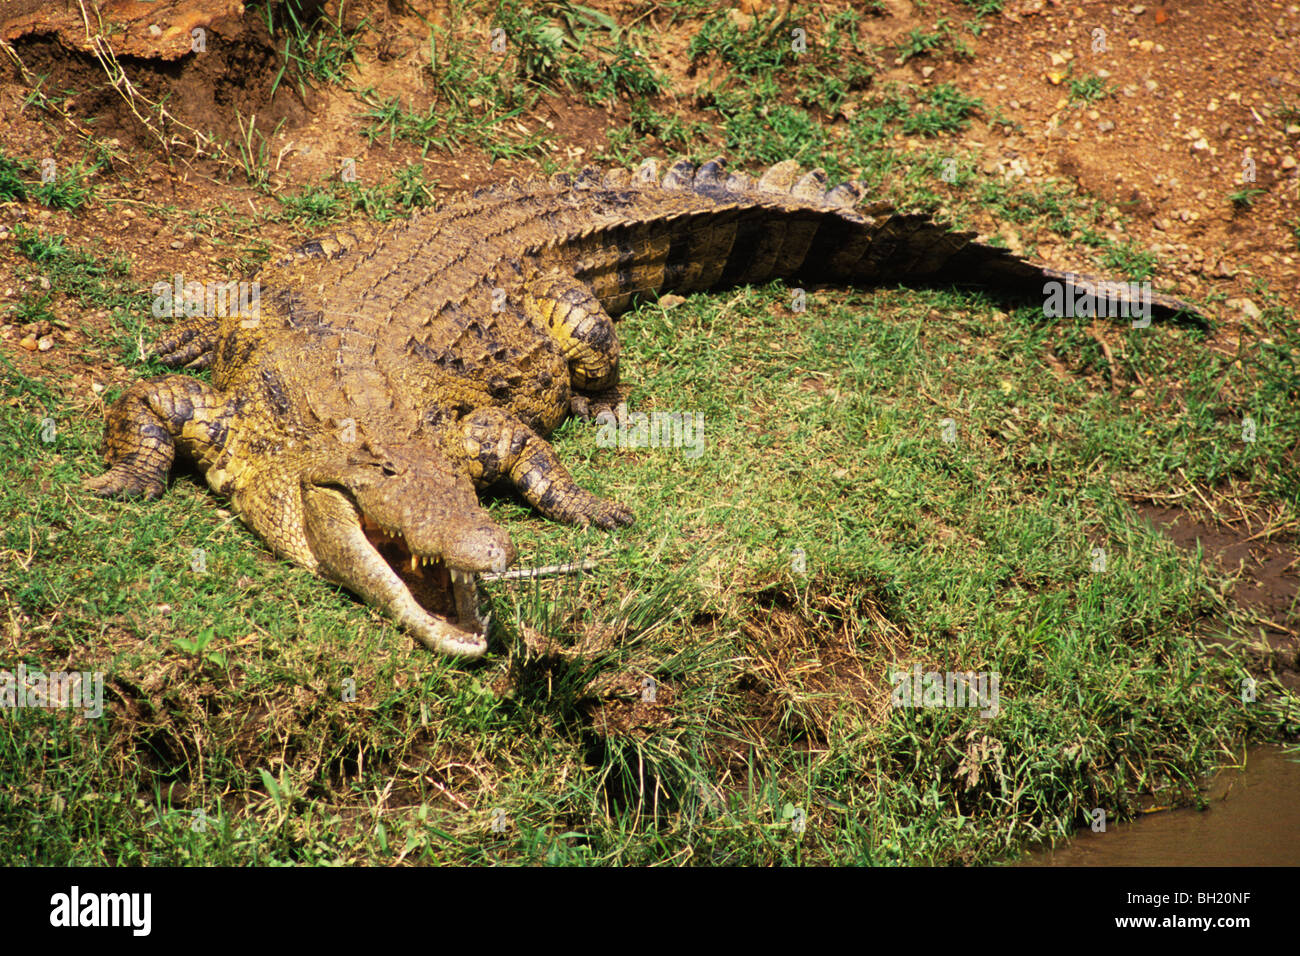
(448, 592)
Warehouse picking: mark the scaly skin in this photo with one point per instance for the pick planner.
(390, 378)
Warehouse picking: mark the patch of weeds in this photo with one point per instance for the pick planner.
(600, 82)
(675, 133)
(319, 49)
(1090, 89)
(452, 130)
(13, 176)
(72, 270)
(70, 189)
(919, 43)
(985, 8)
(254, 151)
(772, 133)
(1130, 260)
(1024, 203)
(1244, 198)
(31, 308)
(947, 109)
(535, 43)
(763, 48)
(313, 205)
(323, 205)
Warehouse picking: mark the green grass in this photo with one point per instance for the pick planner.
(1090, 89)
(62, 187)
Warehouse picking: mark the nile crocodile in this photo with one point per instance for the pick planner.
(388, 380)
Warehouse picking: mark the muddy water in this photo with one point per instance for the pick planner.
(1253, 820)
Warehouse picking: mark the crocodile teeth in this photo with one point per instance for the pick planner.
(415, 563)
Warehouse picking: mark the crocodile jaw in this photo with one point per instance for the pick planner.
(347, 556)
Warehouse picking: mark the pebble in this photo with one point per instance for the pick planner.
(1247, 308)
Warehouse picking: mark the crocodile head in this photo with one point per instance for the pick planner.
(403, 529)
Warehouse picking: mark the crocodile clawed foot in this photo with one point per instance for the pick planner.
(606, 514)
(589, 406)
(188, 344)
(121, 482)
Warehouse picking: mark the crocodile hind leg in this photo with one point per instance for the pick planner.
(191, 343)
(147, 424)
(495, 445)
(571, 315)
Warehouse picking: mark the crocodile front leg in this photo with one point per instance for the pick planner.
(495, 445)
(144, 428)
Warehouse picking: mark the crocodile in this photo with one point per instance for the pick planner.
(388, 378)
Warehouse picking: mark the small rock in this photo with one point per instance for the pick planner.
(1146, 46)
(1105, 126)
(1246, 307)
(670, 301)
(176, 243)
(45, 343)
(44, 283)
(1288, 162)
(96, 387)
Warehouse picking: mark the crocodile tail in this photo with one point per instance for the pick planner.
(788, 223)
